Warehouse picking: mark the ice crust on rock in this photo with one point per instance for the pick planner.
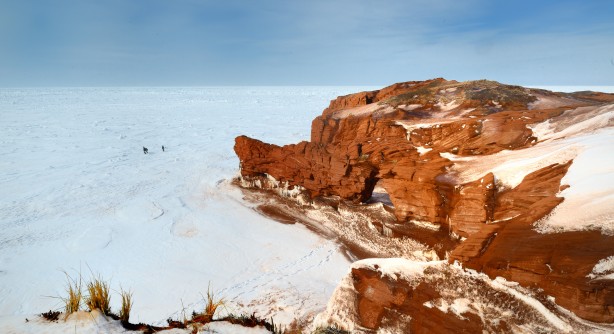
(604, 269)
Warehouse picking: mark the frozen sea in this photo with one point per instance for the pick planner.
(78, 195)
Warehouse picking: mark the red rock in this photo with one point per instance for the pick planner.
(375, 137)
(385, 298)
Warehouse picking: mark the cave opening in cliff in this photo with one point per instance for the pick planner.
(380, 195)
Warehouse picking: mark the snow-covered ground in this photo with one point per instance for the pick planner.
(77, 194)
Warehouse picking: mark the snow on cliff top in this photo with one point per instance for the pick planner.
(589, 201)
(583, 134)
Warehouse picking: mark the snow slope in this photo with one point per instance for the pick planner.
(77, 194)
(583, 134)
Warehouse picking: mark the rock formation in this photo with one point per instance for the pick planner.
(422, 143)
(401, 296)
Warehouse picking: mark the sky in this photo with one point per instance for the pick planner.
(315, 42)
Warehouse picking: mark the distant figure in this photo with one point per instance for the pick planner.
(162, 148)
(145, 150)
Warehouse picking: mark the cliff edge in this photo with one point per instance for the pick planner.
(476, 172)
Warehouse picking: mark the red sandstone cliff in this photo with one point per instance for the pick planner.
(410, 139)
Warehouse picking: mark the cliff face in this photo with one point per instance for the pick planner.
(401, 296)
(398, 141)
(425, 143)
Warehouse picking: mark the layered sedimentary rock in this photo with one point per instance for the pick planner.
(402, 296)
(420, 140)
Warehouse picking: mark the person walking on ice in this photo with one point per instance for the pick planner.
(162, 148)
(145, 150)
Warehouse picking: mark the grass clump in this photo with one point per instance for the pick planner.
(124, 312)
(485, 91)
(72, 303)
(98, 296)
(212, 305)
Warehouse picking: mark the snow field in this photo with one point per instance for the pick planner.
(78, 195)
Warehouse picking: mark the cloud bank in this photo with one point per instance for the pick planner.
(271, 42)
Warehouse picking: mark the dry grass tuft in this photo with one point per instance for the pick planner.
(212, 305)
(211, 308)
(252, 320)
(98, 296)
(72, 303)
(124, 313)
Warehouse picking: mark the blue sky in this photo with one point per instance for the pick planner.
(317, 42)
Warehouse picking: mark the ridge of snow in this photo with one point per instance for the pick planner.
(425, 224)
(422, 150)
(458, 306)
(409, 107)
(604, 269)
(501, 283)
(410, 126)
(447, 106)
(397, 268)
(372, 108)
(512, 288)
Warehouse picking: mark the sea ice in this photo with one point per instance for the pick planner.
(79, 195)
